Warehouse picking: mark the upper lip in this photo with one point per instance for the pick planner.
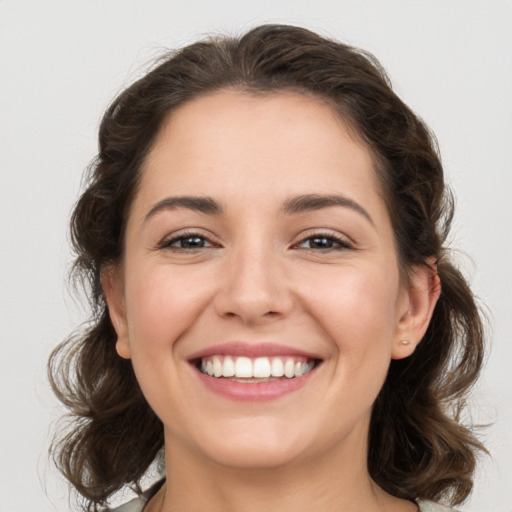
(252, 350)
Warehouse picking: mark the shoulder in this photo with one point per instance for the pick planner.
(135, 505)
(138, 504)
(430, 506)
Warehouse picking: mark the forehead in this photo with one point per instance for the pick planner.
(262, 137)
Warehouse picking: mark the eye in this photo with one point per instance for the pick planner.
(324, 242)
(186, 241)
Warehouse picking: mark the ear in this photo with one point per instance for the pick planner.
(416, 310)
(112, 284)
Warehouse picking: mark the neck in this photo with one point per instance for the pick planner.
(337, 482)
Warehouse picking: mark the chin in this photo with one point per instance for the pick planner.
(254, 448)
(253, 457)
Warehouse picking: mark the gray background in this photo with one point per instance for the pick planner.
(62, 62)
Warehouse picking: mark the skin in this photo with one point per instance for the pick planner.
(259, 277)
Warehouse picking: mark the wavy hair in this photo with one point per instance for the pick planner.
(418, 446)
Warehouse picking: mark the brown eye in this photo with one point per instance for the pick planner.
(324, 242)
(320, 242)
(190, 242)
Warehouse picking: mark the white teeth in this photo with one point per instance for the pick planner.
(228, 368)
(289, 368)
(217, 367)
(277, 369)
(261, 368)
(302, 368)
(243, 367)
(258, 368)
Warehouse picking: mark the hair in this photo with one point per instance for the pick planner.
(418, 444)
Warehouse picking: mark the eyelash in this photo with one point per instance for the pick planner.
(168, 244)
(337, 243)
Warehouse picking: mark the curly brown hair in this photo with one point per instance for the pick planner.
(418, 447)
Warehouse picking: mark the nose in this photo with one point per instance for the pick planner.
(255, 288)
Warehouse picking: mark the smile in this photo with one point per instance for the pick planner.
(253, 370)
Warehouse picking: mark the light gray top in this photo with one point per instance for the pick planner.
(137, 505)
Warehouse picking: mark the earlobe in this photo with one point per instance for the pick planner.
(421, 298)
(111, 283)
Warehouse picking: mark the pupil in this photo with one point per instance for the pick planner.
(193, 241)
(322, 243)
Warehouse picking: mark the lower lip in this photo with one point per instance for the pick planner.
(254, 391)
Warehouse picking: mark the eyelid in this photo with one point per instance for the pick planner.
(166, 242)
(345, 241)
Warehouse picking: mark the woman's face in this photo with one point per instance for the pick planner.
(257, 244)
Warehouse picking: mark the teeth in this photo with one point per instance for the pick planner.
(289, 368)
(228, 369)
(217, 367)
(258, 368)
(261, 368)
(277, 369)
(243, 367)
(302, 368)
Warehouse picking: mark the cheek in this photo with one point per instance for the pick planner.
(357, 307)
(161, 306)
(360, 320)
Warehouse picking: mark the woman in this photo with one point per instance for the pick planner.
(276, 317)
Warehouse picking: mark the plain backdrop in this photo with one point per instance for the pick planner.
(61, 63)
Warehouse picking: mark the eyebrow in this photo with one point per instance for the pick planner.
(196, 203)
(298, 204)
(309, 202)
